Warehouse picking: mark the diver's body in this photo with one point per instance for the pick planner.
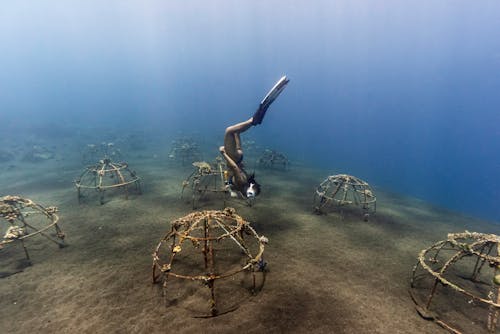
(233, 154)
(238, 178)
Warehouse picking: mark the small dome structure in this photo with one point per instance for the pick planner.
(184, 150)
(344, 190)
(107, 175)
(218, 250)
(271, 159)
(206, 179)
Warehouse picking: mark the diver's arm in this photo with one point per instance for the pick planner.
(230, 162)
(232, 165)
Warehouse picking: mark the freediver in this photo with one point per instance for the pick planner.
(238, 179)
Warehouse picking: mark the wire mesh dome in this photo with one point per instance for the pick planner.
(206, 247)
(342, 190)
(22, 219)
(184, 150)
(211, 179)
(272, 159)
(456, 282)
(105, 176)
(204, 180)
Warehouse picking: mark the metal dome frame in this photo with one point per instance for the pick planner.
(107, 175)
(341, 190)
(455, 268)
(202, 232)
(17, 212)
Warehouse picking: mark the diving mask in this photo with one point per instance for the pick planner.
(251, 192)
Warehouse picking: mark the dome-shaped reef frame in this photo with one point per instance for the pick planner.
(456, 282)
(207, 233)
(25, 219)
(107, 175)
(338, 191)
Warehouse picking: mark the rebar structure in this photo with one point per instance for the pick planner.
(24, 219)
(456, 282)
(273, 159)
(184, 150)
(107, 175)
(341, 190)
(206, 178)
(228, 246)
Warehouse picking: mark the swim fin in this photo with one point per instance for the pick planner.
(268, 99)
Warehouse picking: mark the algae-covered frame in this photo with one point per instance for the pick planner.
(271, 159)
(342, 191)
(209, 255)
(184, 150)
(22, 219)
(107, 176)
(456, 282)
(206, 179)
(209, 181)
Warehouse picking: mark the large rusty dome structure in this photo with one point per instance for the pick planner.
(456, 282)
(209, 255)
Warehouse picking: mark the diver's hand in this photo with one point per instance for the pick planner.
(222, 150)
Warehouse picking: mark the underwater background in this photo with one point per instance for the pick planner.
(401, 94)
(404, 95)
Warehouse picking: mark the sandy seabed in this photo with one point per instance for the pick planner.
(326, 273)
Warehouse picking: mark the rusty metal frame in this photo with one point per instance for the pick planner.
(460, 249)
(213, 227)
(206, 178)
(272, 159)
(16, 211)
(341, 190)
(107, 175)
(211, 179)
(184, 150)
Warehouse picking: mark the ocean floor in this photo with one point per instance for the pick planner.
(330, 273)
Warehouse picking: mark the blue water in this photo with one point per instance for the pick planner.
(403, 94)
